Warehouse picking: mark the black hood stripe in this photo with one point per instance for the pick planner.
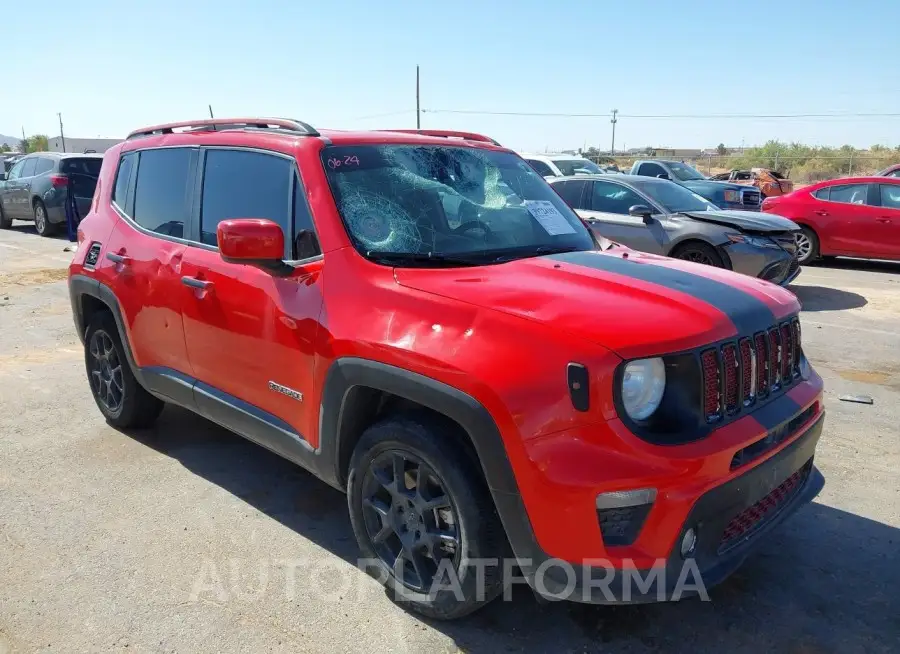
(747, 313)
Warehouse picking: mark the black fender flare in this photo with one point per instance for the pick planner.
(81, 285)
(346, 373)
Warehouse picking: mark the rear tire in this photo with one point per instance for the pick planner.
(699, 253)
(42, 224)
(807, 246)
(439, 519)
(5, 223)
(121, 399)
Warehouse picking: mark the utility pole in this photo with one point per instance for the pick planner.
(614, 120)
(210, 111)
(62, 136)
(418, 111)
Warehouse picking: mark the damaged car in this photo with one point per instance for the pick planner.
(658, 216)
(769, 182)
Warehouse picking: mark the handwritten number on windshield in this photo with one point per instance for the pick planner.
(336, 162)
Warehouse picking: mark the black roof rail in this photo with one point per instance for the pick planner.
(214, 124)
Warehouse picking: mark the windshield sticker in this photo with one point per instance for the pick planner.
(349, 160)
(549, 217)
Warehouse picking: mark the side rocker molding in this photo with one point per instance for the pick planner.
(348, 372)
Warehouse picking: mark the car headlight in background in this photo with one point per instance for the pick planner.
(755, 241)
(643, 385)
(732, 196)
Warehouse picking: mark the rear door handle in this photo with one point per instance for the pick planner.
(821, 213)
(118, 258)
(193, 282)
(883, 219)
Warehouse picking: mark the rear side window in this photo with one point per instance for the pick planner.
(126, 165)
(890, 195)
(28, 168)
(541, 168)
(651, 169)
(243, 184)
(43, 166)
(162, 190)
(87, 166)
(574, 193)
(849, 193)
(612, 198)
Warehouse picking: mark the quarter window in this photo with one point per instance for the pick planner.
(306, 244)
(243, 184)
(822, 193)
(122, 177)
(162, 190)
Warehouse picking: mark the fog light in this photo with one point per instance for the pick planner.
(688, 543)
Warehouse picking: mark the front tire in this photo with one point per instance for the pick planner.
(421, 512)
(121, 399)
(42, 224)
(807, 246)
(699, 253)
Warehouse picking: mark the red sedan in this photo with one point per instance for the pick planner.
(853, 217)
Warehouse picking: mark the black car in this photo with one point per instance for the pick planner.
(38, 185)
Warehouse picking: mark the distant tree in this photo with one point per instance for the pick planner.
(5, 148)
(591, 153)
(35, 143)
(721, 149)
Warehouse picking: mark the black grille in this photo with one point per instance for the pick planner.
(774, 357)
(750, 198)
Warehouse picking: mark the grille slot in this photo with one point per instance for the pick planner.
(739, 373)
(711, 382)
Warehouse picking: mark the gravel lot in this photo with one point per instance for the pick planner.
(180, 539)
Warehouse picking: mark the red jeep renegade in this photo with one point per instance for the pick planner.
(419, 320)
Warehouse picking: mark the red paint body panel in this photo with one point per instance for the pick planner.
(502, 334)
(845, 229)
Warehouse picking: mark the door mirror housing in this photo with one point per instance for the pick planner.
(641, 211)
(254, 242)
(664, 176)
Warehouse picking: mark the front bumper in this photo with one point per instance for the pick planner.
(712, 560)
(771, 264)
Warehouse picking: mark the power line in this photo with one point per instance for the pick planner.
(552, 114)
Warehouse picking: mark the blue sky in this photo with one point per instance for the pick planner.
(336, 64)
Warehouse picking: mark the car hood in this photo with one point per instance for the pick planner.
(632, 303)
(746, 221)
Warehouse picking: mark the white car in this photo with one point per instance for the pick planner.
(561, 165)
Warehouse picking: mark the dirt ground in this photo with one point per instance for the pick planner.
(177, 539)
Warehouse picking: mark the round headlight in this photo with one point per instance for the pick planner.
(643, 385)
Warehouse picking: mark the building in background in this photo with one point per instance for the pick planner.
(81, 145)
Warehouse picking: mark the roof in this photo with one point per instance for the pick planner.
(868, 179)
(65, 155)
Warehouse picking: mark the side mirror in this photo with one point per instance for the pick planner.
(642, 211)
(254, 242)
(664, 176)
(2, 177)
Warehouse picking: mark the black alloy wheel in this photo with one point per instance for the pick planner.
(105, 368)
(409, 518)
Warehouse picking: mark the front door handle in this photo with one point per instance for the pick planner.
(193, 282)
(118, 258)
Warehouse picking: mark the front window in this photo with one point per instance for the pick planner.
(444, 205)
(684, 172)
(569, 167)
(674, 198)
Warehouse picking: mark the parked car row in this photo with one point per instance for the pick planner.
(37, 185)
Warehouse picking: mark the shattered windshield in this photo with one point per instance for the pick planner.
(443, 205)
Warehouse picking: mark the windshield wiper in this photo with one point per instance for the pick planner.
(420, 258)
(526, 252)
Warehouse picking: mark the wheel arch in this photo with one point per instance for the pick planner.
(693, 239)
(89, 296)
